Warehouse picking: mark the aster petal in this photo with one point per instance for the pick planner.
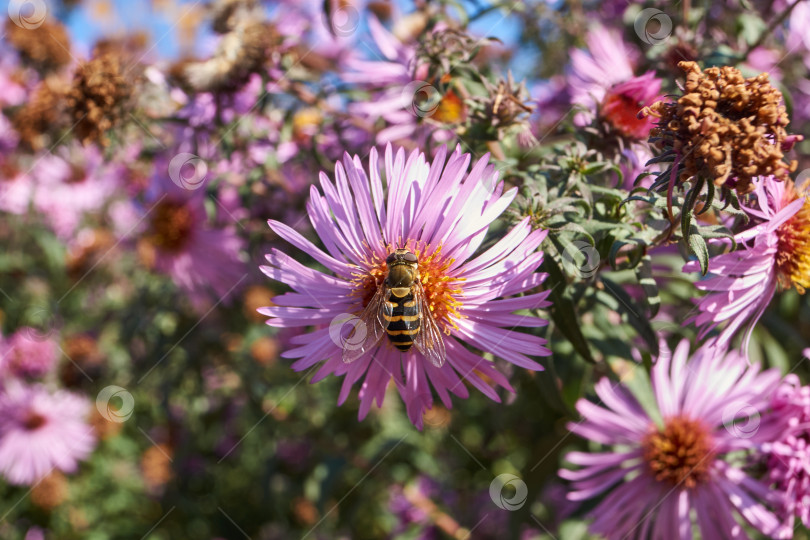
(294, 238)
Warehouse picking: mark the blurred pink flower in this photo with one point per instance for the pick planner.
(788, 455)
(602, 82)
(442, 215)
(553, 105)
(72, 183)
(400, 95)
(26, 354)
(41, 431)
(774, 253)
(204, 259)
(665, 466)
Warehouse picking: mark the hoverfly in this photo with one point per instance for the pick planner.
(399, 309)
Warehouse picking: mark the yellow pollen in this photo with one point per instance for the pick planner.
(793, 253)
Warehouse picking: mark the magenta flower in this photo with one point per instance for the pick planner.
(442, 214)
(773, 254)
(789, 454)
(25, 354)
(603, 80)
(668, 464)
(41, 431)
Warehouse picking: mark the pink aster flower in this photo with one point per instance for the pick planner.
(670, 463)
(442, 214)
(203, 258)
(74, 182)
(773, 254)
(603, 81)
(41, 431)
(409, 105)
(26, 355)
(788, 456)
(603, 85)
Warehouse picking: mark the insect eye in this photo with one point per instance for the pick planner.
(390, 258)
(410, 257)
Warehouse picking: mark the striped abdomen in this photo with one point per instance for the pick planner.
(402, 315)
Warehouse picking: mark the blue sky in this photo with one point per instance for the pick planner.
(86, 25)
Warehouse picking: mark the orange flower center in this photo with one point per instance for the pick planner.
(172, 225)
(451, 109)
(793, 253)
(681, 453)
(441, 290)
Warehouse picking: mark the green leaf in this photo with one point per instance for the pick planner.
(616, 298)
(634, 255)
(563, 312)
(697, 246)
(644, 275)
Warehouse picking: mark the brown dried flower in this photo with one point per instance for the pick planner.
(724, 128)
(156, 466)
(98, 97)
(241, 52)
(51, 491)
(83, 360)
(39, 117)
(507, 103)
(46, 48)
(226, 14)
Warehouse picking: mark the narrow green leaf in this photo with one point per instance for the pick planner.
(624, 303)
(645, 278)
(697, 246)
(563, 311)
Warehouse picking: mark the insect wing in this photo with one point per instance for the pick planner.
(428, 340)
(368, 329)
